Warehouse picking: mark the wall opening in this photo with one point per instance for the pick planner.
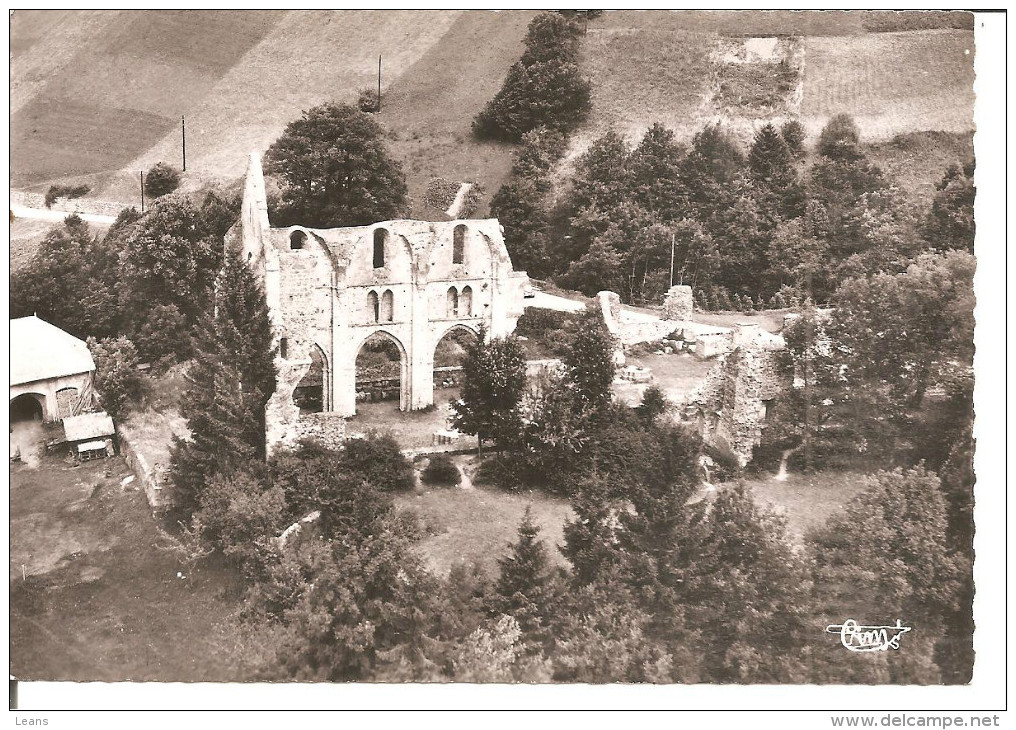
(26, 407)
(66, 398)
(449, 354)
(297, 240)
(452, 302)
(466, 302)
(284, 348)
(381, 373)
(387, 306)
(373, 307)
(380, 244)
(310, 393)
(459, 244)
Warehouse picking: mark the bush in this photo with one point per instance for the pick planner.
(379, 460)
(441, 471)
(161, 180)
(65, 191)
(368, 101)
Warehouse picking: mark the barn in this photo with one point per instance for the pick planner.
(51, 372)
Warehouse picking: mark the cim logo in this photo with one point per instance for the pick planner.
(855, 637)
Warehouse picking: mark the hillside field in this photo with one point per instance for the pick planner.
(96, 96)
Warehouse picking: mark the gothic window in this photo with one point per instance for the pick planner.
(387, 306)
(466, 302)
(380, 243)
(453, 302)
(373, 307)
(458, 244)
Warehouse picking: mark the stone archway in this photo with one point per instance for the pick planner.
(450, 351)
(28, 407)
(377, 360)
(313, 393)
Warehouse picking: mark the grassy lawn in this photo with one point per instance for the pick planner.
(807, 500)
(678, 375)
(99, 600)
(412, 429)
(467, 522)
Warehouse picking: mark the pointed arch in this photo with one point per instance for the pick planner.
(466, 302)
(452, 302)
(379, 385)
(373, 307)
(387, 306)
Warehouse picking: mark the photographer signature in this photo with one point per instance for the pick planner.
(868, 638)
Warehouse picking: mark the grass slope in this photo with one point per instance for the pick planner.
(891, 83)
(430, 108)
(125, 88)
(308, 58)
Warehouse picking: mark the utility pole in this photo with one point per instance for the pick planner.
(672, 242)
(183, 137)
(379, 83)
(142, 191)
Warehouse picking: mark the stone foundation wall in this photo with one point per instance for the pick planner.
(154, 478)
(328, 429)
(68, 205)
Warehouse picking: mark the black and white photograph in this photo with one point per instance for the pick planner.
(469, 350)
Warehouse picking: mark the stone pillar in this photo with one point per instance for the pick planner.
(745, 333)
(679, 304)
(420, 343)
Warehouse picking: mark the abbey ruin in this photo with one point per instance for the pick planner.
(330, 290)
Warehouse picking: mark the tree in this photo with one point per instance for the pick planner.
(230, 382)
(654, 404)
(116, 374)
(544, 88)
(709, 171)
(950, 224)
(168, 258)
(747, 594)
(840, 139)
(906, 330)
(772, 171)
(316, 477)
(365, 609)
(589, 364)
(162, 179)
(493, 380)
(892, 540)
(522, 589)
(600, 268)
(60, 284)
(379, 460)
(793, 134)
(334, 170)
(655, 166)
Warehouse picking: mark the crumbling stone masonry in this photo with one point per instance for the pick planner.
(731, 406)
(679, 304)
(329, 290)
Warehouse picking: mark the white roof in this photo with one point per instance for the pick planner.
(88, 426)
(40, 351)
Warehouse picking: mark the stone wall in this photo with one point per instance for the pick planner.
(69, 205)
(729, 408)
(328, 429)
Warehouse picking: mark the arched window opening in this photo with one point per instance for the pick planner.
(387, 306)
(284, 348)
(373, 307)
(380, 243)
(453, 302)
(297, 240)
(459, 244)
(466, 302)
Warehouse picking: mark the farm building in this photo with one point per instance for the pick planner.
(90, 435)
(51, 372)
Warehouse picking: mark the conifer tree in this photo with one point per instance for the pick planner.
(522, 588)
(232, 377)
